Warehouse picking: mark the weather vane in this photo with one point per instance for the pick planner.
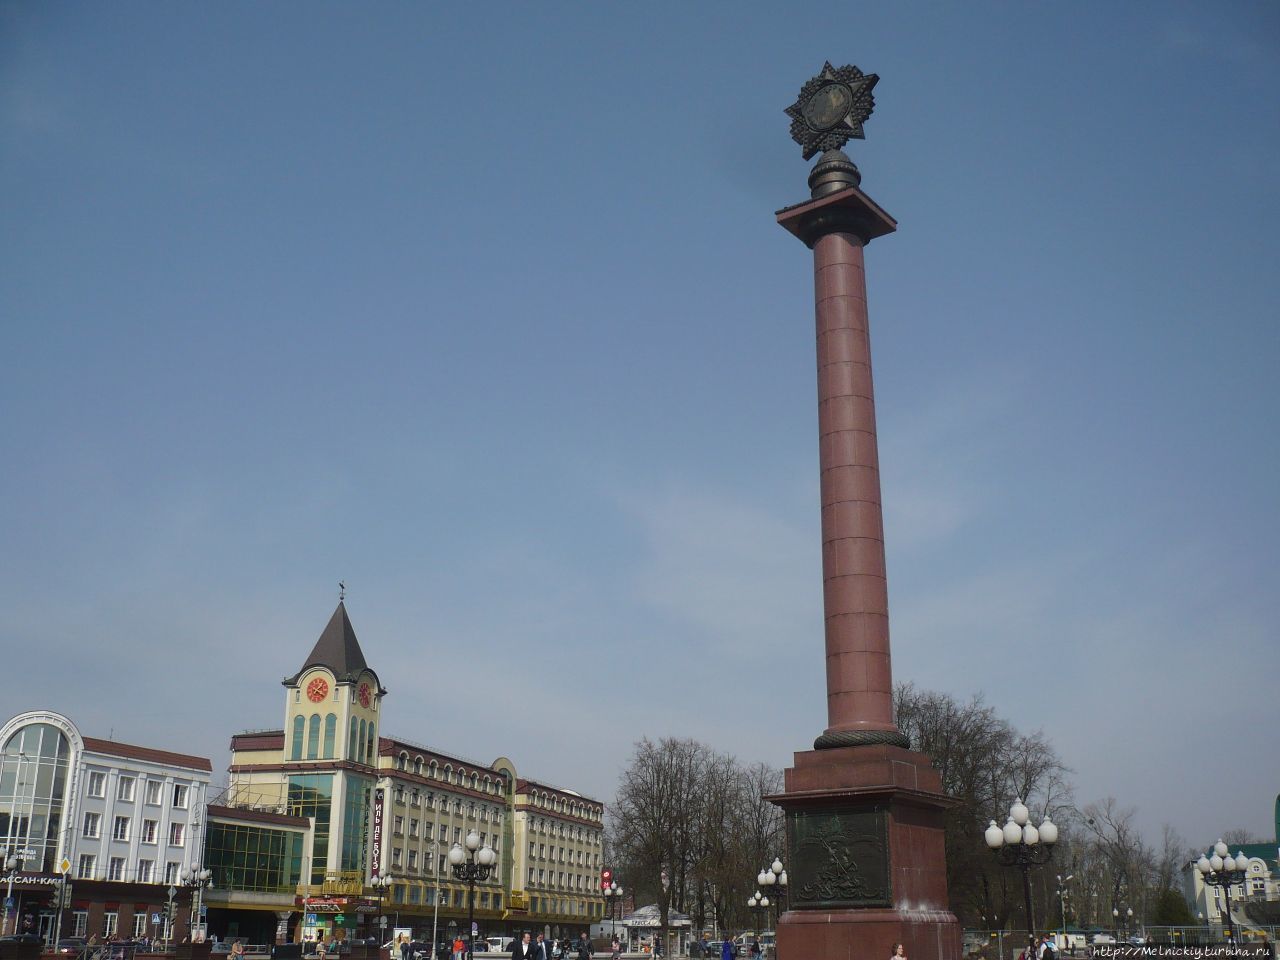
(342, 591)
(831, 109)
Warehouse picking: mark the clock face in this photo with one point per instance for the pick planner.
(828, 106)
(317, 689)
(364, 695)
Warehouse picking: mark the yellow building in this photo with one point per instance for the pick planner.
(377, 806)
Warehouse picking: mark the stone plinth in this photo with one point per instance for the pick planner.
(880, 809)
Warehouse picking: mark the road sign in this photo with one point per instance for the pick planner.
(155, 918)
(64, 865)
(8, 903)
(311, 919)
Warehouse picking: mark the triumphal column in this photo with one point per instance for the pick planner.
(864, 812)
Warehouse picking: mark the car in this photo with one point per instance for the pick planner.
(71, 945)
(1098, 938)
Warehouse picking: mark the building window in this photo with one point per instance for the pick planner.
(171, 872)
(313, 737)
(353, 738)
(413, 827)
(124, 789)
(140, 924)
(110, 923)
(399, 794)
(497, 901)
(175, 834)
(414, 894)
(153, 792)
(457, 834)
(145, 870)
(80, 923)
(93, 825)
(398, 827)
(180, 796)
(149, 830)
(330, 734)
(395, 856)
(121, 829)
(416, 799)
(428, 829)
(97, 784)
(440, 865)
(87, 862)
(299, 730)
(413, 859)
(417, 765)
(115, 868)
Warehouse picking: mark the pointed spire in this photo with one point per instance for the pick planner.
(338, 649)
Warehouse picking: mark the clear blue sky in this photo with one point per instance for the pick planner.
(482, 308)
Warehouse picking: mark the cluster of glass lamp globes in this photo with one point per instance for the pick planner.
(1020, 831)
(1223, 863)
(485, 855)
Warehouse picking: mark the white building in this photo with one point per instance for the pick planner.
(100, 830)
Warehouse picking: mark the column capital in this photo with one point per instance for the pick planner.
(847, 211)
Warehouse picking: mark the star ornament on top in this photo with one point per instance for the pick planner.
(831, 109)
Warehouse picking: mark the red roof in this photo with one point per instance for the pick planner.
(114, 748)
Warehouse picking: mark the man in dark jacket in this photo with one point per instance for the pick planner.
(584, 948)
(523, 948)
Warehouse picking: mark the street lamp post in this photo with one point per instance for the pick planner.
(1021, 844)
(1225, 871)
(195, 880)
(1062, 902)
(758, 903)
(383, 884)
(474, 863)
(773, 880)
(613, 898)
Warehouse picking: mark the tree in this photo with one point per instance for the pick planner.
(690, 829)
(984, 764)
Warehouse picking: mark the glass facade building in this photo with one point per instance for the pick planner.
(254, 858)
(34, 766)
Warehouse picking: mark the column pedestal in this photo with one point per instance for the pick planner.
(866, 857)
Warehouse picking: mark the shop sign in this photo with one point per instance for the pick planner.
(375, 864)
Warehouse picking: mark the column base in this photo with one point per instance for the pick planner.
(866, 857)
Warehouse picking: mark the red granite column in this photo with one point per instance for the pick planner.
(856, 601)
(865, 814)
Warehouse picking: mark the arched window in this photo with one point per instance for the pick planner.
(353, 739)
(417, 765)
(433, 771)
(474, 780)
(299, 729)
(364, 728)
(371, 752)
(402, 760)
(330, 734)
(313, 737)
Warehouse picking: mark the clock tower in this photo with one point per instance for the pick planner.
(330, 756)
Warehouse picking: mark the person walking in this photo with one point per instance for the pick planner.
(726, 949)
(899, 952)
(616, 949)
(522, 949)
(540, 951)
(584, 948)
